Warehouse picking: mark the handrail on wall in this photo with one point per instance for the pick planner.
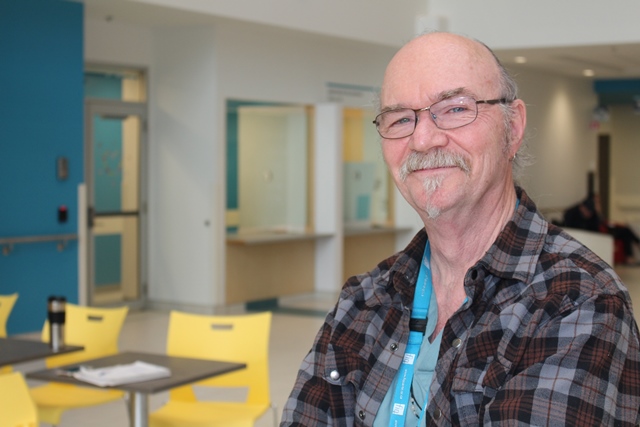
(62, 239)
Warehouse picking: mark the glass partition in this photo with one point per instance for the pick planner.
(268, 189)
(366, 179)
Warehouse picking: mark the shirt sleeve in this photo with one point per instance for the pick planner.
(307, 405)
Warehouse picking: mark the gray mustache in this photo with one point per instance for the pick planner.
(436, 158)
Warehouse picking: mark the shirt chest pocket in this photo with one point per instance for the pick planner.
(475, 386)
(343, 366)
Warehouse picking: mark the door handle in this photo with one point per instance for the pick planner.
(91, 214)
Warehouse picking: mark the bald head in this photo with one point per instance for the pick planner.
(437, 64)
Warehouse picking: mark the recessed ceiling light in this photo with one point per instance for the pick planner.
(588, 73)
(520, 59)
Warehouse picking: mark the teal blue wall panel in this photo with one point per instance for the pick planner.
(618, 91)
(41, 119)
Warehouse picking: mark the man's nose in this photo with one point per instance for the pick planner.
(426, 135)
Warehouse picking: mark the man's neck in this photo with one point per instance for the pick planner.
(460, 238)
(458, 241)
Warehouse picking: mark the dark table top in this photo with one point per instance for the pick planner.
(13, 350)
(183, 371)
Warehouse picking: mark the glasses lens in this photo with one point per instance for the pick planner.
(454, 112)
(396, 123)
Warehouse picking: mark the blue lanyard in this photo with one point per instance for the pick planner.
(417, 328)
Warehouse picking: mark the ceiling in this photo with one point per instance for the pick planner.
(615, 68)
(620, 61)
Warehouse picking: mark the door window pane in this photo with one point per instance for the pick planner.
(118, 84)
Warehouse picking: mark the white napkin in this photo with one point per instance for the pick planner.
(122, 374)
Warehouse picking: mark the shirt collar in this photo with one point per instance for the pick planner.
(513, 255)
(515, 252)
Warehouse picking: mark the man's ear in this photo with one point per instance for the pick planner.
(518, 125)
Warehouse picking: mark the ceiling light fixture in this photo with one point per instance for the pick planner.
(588, 73)
(520, 59)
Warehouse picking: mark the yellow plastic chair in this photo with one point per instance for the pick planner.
(243, 338)
(6, 305)
(16, 406)
(98, 330)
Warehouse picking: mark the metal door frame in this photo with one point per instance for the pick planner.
(116, 107)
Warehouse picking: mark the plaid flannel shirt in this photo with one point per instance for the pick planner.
(546, 337)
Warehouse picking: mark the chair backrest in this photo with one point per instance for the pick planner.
(241, 338)
(17, 408)
(97, 329)
(6, 305)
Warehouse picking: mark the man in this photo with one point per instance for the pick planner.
(491, 316)
(586, 216)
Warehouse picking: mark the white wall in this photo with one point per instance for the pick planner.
(564, 147)
(183, 146)
(625, 171)
(262, 63)
(117, 43)
(194, 70)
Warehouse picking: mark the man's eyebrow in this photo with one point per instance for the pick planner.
(453, 92)
(447, 94)
(392, 107)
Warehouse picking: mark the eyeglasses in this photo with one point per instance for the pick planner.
(447, 114)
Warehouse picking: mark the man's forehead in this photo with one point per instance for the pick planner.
(433, 65)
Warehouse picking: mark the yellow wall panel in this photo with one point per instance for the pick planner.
(353, 135)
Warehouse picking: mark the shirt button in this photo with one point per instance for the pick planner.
(361, 415)
(437, 414)
(456, 343)
(394, 347)
(335, 375)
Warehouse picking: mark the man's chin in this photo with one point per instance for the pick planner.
(432, 212)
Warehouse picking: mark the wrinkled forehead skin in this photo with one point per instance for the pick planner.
(432, 64)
